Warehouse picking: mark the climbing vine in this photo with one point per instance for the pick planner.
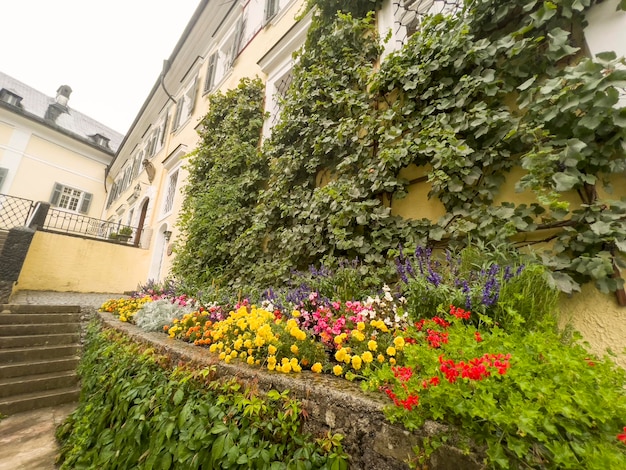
(474, 99)
(226, 173)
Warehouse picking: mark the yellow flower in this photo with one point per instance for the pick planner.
(271, 349)
(337, 370)
(238, 344)
(392, 361)
(294, 348)
(222, 356)
(341, 354)
(339, 338)
(286, 367)
(367, 357)
(356, 334)
(227, 359)
(360, 326)
(295, 314)
(391, 351)
(250, 360)
(399, 342)
(234, 354)
(294, 362)
(271, 360)
(356, 362)
(317, 367)
(372, 345)
(380, 358)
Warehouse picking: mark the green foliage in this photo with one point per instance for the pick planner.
(498, 286)
(226, 173)
(136, 412)
(554, 407)
(470, 97)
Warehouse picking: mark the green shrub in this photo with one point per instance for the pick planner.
(534, 401)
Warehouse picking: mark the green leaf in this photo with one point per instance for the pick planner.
(564, 181)
(178, 396)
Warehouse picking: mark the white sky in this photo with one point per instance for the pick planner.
(109, 52)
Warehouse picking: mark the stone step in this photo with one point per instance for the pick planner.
(27, 308)
(38, 353)
(15, 386)
(25, 368)
(37, 400)
(38, 329)
(38, 340)
(33, 318)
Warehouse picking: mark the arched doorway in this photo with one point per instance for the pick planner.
(142, 219)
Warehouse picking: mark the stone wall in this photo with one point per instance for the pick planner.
(331, 404)
(12, 258)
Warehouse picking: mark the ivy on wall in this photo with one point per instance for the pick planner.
(226, 172)
(502, 85)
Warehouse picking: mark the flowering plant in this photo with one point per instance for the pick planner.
(124, 308)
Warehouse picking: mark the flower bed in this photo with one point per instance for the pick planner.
(535, 399)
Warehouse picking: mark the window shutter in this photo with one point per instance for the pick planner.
(210, 72)
(237, 39)
(193, 92)
(179, 111)
(86, 202)
(270, 9)
(56, 194)
(3, 175)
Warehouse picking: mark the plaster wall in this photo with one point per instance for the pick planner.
(599, 319)
(65, 263)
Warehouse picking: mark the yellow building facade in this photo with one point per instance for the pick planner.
(50, 152)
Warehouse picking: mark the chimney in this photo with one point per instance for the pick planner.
(60, 103)
(63, 95)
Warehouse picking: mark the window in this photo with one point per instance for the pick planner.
(271, 8)
(3, 176)
(100, 140)
(186, 105)
(278, 64)
(403, 18)
(209, 81)
(10, 98)
(70, 199)
(171, 193)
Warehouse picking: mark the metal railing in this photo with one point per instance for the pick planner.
(77, 224)
(14, 211)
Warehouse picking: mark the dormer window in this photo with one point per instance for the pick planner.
(10, 98)
(100, 140)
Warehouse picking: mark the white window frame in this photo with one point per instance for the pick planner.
(186, 105)
(62, 199)
(169, 196)
(277, 64)
(3, 176)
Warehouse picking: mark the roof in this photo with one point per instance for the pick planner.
(35, 105)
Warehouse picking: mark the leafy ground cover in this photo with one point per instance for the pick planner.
(465, 340)
(137, 411)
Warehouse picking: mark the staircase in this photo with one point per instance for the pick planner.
(39, 352)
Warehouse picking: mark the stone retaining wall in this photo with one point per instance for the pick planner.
(332, 404)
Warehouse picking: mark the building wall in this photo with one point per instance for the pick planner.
(64, 263)
(38, 157)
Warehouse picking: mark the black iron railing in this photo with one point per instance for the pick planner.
(14, 211)
(77, 224)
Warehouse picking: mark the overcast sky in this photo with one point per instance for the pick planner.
(109, 52)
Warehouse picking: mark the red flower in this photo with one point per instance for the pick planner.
(410, 402)
(402, 373)
(434, 381)
(622, 437)
(459, 312)
(478, 337)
